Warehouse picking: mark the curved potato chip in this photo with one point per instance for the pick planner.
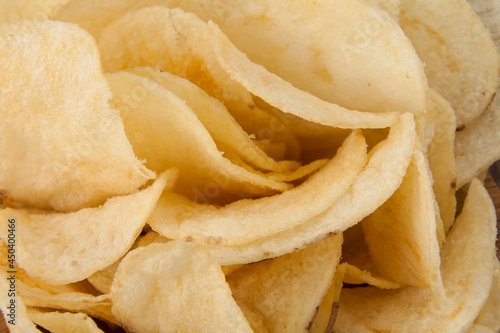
(249, 220)
(62, 146)
(353, 54)
(476, 146)
(402, 233)
(327, 311)
(489, 12)
(468, 263)
(182, 291)
(167, 133)
(285, 97)
(223, 128)
(354, 275)
(461, 60)
(50, 245)
(441, 156)
(63, 322)
(287, 290)
(383, 174)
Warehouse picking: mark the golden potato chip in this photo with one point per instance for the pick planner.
(461, 60)
(355, 275)
(382, 175)
(182, 290)
(50, 245)
(393, 7)
(468, 263)
(63, 322)
(368, 63)
(62, 146)
(204, 172)
(249, 220)
(226, 132)
(287, 290)
(402, 233)
(476, 146)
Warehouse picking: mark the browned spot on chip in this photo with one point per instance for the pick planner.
(312, 319)
(333, 317)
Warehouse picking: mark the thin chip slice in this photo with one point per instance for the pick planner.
(328, 310)
(354, 275)
(461, 60)
(287, 290)
(285, 97)
(476, 147)
(50, 245)
(249, 220)
(489, 12)
(223, 128)
(182, 290)
(63, 322)
(441, 157)
(167, 133)
(402, 233)
(383, 174)
(62, 146)
(468, 263)
(352, 54)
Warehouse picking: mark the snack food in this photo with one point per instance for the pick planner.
(227, 165)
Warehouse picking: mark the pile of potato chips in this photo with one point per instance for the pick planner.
(248, 165)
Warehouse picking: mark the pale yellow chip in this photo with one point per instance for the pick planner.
(489, 316)
(50, 245)
(489, 12)
(249, 220)
(476, 146)
(167, 133)
(182, 290)
(441, 157)
(402, 233)
(226, 132)
(461, 60)
(62, 146)
(354, 54)
(383, 174)
(468, 263)
(287, 290)
(63, 322)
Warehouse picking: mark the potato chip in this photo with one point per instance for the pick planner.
(187, 145)
(226, 132)
(402, 233)
(441, 157)
(393, 7)
(62, 146)
(249, 220)
(468, 263)
(355, 275)
(383, 174)
(461, 60)
(50, 245)
(62, 322)
(283, 96)
(368, 63)
(476, 146)
(287, 290)
(182, 290)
